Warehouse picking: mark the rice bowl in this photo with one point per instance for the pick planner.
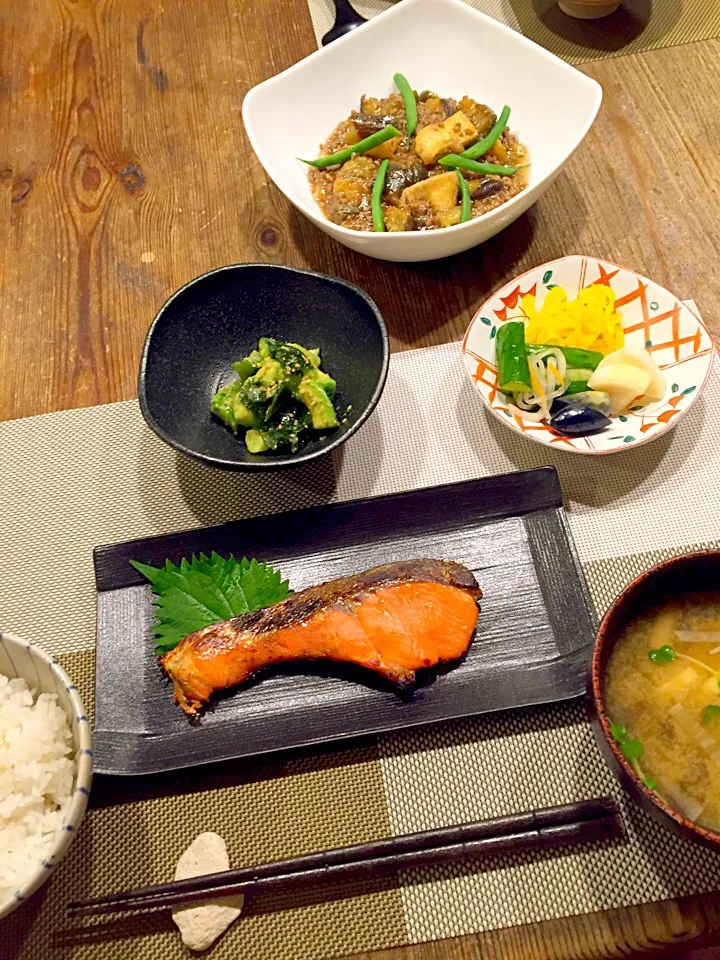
(45, 767)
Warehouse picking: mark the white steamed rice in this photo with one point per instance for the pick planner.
(36, 779)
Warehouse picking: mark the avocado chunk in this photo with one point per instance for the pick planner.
(324, 380)
(313, 392)
(228, 405)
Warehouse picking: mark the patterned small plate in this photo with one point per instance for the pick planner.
(652, 318)
(19, 658)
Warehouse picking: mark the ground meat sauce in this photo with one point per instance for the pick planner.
(344, 192)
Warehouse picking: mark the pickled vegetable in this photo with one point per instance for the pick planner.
(513, 370)
(576, 381)
(576, 358)
(590, 398)
(576, 420)
(640, 358)
(625, 384)
(590, 321)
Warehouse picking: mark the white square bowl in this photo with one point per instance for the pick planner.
(441, 45)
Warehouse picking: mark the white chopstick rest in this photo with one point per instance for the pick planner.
(200, 926)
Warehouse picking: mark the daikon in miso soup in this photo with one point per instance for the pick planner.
(663, 697)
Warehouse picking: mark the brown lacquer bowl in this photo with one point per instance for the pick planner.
(691, 573)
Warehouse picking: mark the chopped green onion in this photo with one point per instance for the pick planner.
(618, 731)
(709, 714)
(662, 655)
(632, 749)
(666, 654)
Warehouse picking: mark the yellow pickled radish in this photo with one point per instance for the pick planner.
(589, 322)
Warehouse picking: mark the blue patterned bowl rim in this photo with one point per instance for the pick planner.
(82, 737)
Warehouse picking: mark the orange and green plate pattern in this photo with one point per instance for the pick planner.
(652, 317)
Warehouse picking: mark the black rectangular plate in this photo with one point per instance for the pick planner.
(532, 644)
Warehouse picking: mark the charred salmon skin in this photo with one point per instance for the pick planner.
(394, 620)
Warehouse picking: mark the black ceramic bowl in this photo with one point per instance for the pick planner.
(691, 573)
(219, 317)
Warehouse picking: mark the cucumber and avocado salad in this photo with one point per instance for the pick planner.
(513, 370)
(279, 396)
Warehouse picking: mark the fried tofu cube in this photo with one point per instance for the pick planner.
(386, 151)
(440, 192)
(451, 136)
(397, 219)
(451, 217)
(685, 678)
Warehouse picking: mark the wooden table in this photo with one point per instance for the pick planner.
(125, 171)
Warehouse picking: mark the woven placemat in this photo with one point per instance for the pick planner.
(636, 26)
(75, 479)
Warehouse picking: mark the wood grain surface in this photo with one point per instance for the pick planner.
(125, 171)
(687, 929)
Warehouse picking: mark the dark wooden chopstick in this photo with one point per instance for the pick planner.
(585, 821)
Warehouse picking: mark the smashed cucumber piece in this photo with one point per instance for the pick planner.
(244, 369)
(281, 394)
(576, 380)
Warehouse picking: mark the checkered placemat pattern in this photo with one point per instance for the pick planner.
(638, 24)
(75, 479)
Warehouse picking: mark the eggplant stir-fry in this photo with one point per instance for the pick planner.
(414, 161)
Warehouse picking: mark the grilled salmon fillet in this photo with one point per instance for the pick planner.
(394, 620)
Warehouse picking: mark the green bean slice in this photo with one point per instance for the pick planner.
(482, 146)
(455, 160)
(408, 96)
(376, 200)
(466, 198)
(342, 156)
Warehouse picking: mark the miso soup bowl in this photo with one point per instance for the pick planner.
(690, 573)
